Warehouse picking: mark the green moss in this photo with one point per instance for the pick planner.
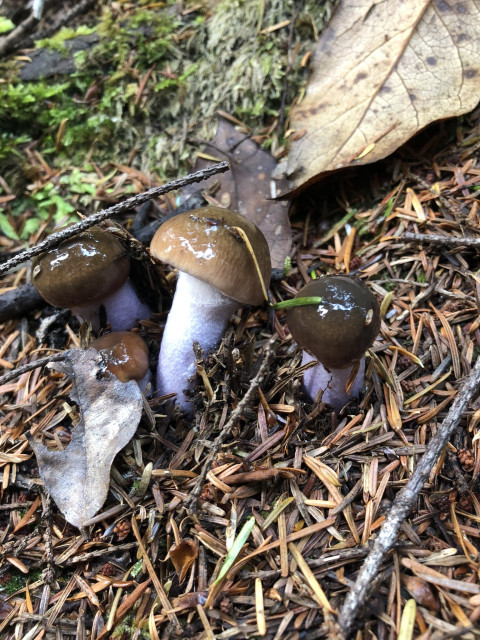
(6, 25)
(15, 583)
(389, 286)
(57, 41)
(19, 580)
(10, 144)
(127, 628)
(239, 69)
(154, 83)
(26, 103)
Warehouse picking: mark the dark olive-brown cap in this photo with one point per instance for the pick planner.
(125, 354)
(206, 244)
(339, 329)
(82, 270)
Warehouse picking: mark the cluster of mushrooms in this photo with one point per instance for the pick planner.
(223, 262)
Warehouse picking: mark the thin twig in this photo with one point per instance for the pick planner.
(58, 20)
(9, 42)
(56, 238)
(15, 373)
(405, 501)
(237, 413)
(434, 238)
(48, 573)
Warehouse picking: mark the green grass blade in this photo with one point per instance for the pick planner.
(236, 548)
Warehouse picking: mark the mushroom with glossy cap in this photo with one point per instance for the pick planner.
(216, 274)
(87, 272)
(125, 354)
(336, 333)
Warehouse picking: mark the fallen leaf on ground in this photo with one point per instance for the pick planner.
(249, 187)
(383, 71)
(420, 591)
(183, 555)
(78, 477)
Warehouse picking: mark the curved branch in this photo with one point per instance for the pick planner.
(405, 500)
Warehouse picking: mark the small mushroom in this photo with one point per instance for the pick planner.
(336, 333)
(87, 272)
(216, 275)
(125, 355)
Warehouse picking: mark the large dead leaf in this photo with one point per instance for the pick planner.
(249, 187)
(381, 72)
(78, 477)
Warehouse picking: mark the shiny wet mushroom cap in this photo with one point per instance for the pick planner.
(125, 354)
(82, 270)
(206, 244)
(88, 274)
(342, 327)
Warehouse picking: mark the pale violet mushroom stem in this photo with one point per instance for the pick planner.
(200, 314)
(123, 309)
(144, 382)
(332, 382)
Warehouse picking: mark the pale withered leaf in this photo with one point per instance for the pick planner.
(382, 71)
(78, 477)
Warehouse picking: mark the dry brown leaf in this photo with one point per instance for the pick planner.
(183, 555)
(249, 187)
(78, 477)
(381, 72)
(420, 591)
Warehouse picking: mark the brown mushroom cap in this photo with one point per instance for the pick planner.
(125, 354)
(338, 330)
(82, 270)
(205, 244)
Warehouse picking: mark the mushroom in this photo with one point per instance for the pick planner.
(87, 272)
(336, 333)
(216, 274)
(125, 354)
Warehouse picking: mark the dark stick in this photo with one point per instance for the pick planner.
(55, 239)
(191, 500)
(30, 366)
(445, 240)
(19, 301)
(405, 500)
